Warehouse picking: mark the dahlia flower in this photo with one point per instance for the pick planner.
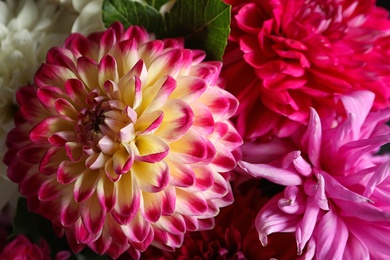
(336, 198)
(124, 141)
(234, 235)
(293, 55)
(22, 248)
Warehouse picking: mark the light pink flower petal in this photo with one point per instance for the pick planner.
(271, 220)
(379, 176)
(305, 228)
(355, 248)
(332, 236)
(293, 201)
(300, 164)
(358, 103)
(335, 190)
(53, 75)
(107, 145)
(373, 235)
(271, 173)
(313, 137)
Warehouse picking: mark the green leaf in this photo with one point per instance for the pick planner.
(133, 13)
(204, 24)
(156, 3)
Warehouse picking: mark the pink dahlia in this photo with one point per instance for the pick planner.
(293, 55)
(21, 248)
(124, 141)
(336, 198)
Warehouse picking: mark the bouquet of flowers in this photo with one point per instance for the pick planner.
(194, 129)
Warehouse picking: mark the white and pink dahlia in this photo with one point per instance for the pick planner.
(124, 141)
(294, 55)
(337, 194)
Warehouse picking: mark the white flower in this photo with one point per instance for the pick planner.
(89, 17)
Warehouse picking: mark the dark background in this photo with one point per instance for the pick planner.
(384, 3)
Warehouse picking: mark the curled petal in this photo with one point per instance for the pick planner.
(271, 173)
(271, 220)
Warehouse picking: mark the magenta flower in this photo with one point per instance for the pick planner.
(21, 248)
(293, 55)
(337, 192)
(124, 141)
